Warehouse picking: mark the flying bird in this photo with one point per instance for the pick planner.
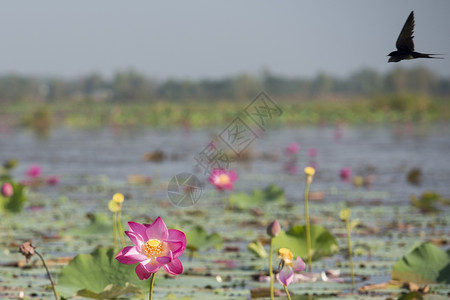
(405, 44)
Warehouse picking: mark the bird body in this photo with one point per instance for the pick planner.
(397, 56)
(405, 44)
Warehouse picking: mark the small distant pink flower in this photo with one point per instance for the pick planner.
(312, 152)
(292, 149)
(155, 246)
(346, 173)
(222, 179)
(34, 171)
(7, 190)
(52, 180)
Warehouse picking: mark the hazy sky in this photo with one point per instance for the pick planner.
(199, 39)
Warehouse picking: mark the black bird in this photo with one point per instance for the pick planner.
(405, 44)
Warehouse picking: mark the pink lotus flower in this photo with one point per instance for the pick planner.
(286, 275)
(34, 171)
(345, 173)
(7, 190)
(292, 149)
(155, 246)
(222, 179)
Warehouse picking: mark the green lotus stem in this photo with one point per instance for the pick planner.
(308, 230)
(271, 268)
(349, 244)
(287, 292)
(150, 292)
(48, 273)
(9, 235)
(225, 200)
(120, 228)
(114, 230)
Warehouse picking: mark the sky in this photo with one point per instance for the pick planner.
(201, 39)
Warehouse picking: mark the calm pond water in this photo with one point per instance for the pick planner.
(388, 153)
(83, 158)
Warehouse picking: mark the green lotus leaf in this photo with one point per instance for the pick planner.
(100, 224)
(14, 204)
(272, 193)
(411, 296)
(97, 273)
(323, 243)
(111, 291)
(197, 239)
(426, 263)
(257, 248)
(427, 202)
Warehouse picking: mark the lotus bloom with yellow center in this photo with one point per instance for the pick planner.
(286, 275)
(155, 246)
(222, 179)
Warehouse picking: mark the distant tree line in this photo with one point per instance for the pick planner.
(133, 86)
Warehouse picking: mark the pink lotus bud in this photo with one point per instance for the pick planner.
(292, 149)
(345, 173)
(7, 189)
(34, 171)
(273, 229)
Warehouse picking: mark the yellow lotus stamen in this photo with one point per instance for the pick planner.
(310, 171)
(286, 255)
(223, 179)
(118, 198)
(153, 248)
(114, 206)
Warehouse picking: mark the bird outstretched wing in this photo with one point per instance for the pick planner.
(405, 39)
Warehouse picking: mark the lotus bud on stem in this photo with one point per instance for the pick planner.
(272, 230)
(115, 206)
(28, 250)
(309, 171)
(7, 190)
(344, 215)
(119, 198)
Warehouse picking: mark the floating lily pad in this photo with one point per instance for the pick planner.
(272, 193)
(111, 291)
(427, 202)
(100, 224)
(97, 273)
(411, 296)
(426, 263)
(323, 243)
(197, 238)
